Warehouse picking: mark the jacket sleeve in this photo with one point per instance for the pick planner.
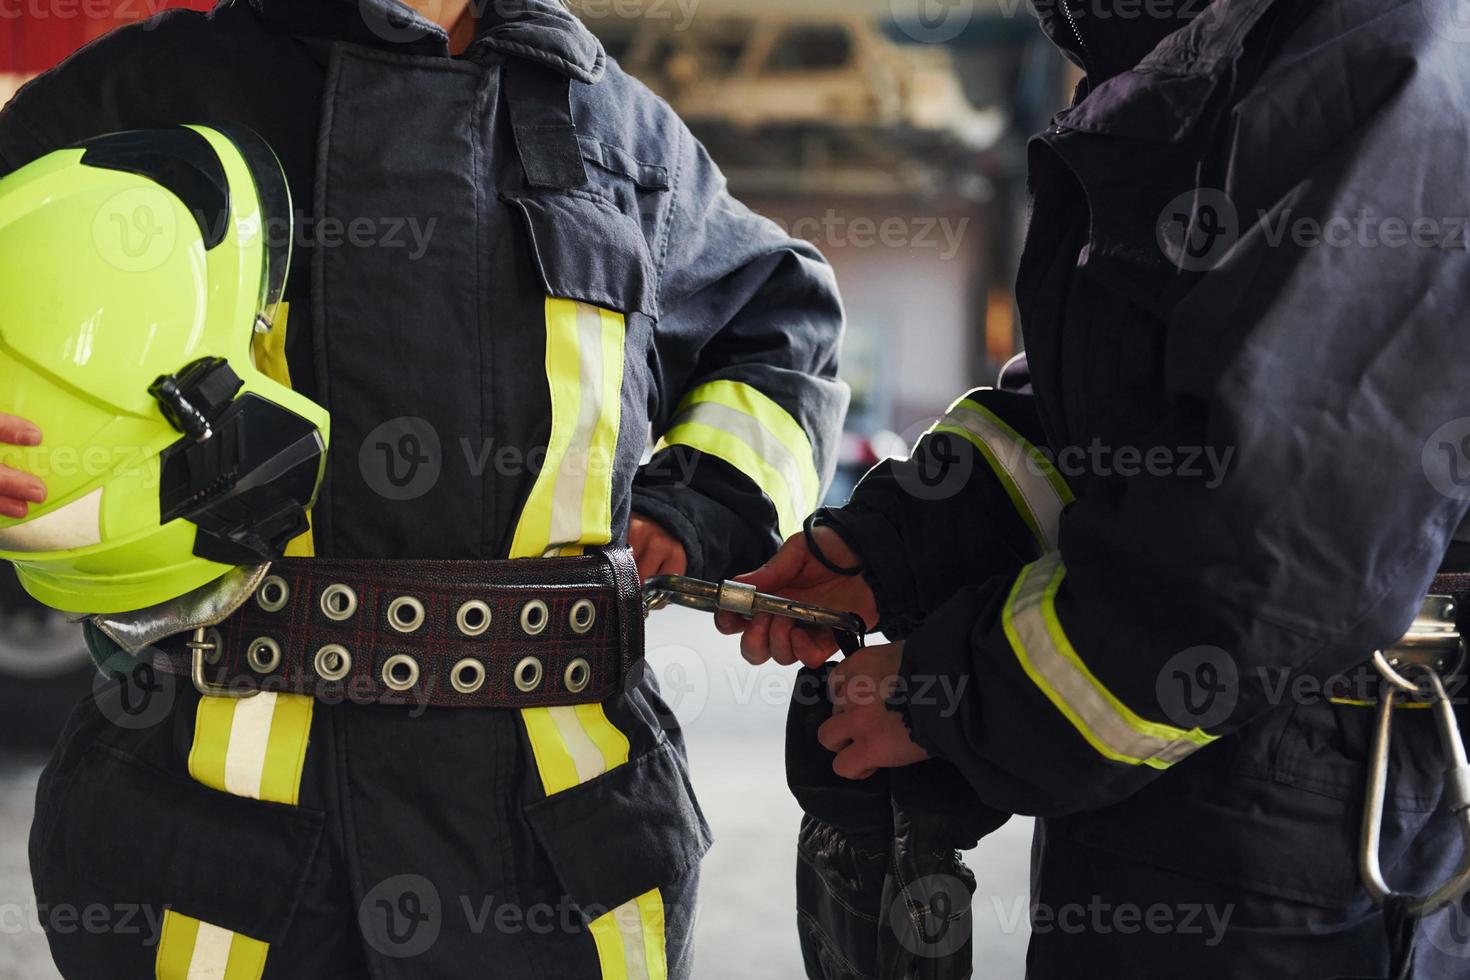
(750, 409)
(1179, 604)
(977, 497)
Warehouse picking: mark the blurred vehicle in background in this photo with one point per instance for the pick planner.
(795, 69)
(44, 668)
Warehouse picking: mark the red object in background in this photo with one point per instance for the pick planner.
(36, 34)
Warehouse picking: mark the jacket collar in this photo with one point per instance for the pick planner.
(1186, 37)
(544, 31)
(1165, 91)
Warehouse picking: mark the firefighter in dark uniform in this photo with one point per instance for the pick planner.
(1151, 586)
(579, 281)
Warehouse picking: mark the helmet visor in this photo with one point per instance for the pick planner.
(274, 195)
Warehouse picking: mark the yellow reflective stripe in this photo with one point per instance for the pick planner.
(1048, 658)
(630, 940)
(269, 353)
(285, 753)
(268, 350)
(573, 744)
(571, 502)
(603, 449)
(655, 945)
(175, 946)
(553, 756)
(253, 747)
(611, 744)
(1355, 703)
(739, 454)
(189, 949)
(1035, 488)
(747, 429)
(570, 509)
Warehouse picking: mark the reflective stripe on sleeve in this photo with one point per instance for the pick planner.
(744, 427)
(1031, 481)
(189, 949)
(1048, 658)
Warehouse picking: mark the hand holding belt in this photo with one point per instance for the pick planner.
(461, 634)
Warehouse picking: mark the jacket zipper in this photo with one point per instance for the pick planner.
(1076, 31)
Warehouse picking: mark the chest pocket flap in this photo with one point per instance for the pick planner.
(585, 249)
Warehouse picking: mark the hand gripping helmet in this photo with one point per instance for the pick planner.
(135, 269)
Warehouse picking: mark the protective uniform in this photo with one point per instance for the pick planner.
(1241, 468)
(512, 267)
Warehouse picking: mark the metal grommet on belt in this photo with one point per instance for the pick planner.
(528, 674)
(473, 618)
(405, 614)
(333, 662)
(400, 672)
(263, 655)
(578, 674)
(339, 602)
(214, 646)
(582, 616)
(467, 676)
(534, 618)
(273, 594)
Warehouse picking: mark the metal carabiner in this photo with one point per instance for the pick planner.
(1457, 788)
(736, 597)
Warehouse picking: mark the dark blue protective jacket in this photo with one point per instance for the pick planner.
(1243, 295)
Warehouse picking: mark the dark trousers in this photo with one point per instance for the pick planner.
(422, 845)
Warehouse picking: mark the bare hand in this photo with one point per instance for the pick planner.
(795, 574)
(18, 490)
(864, 732)
(656, 550)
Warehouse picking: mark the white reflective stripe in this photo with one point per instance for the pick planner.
(250, 735)
(211, 953)
(586, 757)
(1020, 467)
(76, 525)
(765, 443)
(576, 466)
(1048, 658)
(629, 919)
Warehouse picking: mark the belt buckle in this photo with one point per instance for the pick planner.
(199, 647)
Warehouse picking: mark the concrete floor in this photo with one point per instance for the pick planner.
(734, 718)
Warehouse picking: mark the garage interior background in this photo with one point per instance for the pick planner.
(890, 133)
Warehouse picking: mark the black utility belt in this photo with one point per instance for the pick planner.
(527, 633)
